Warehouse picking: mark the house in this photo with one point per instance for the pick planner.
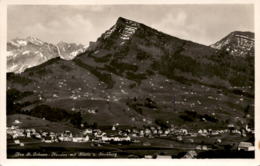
(179, 138)
(33, 131)
(52, 134)
(141, 133)
(166, 132)
(68, 133)
(160, 131)
(246, 146)
(199, 147)
(14, 135)
(127, 138)
(214, 133)
(184, 131)
(218, 141)
(48, 140)
(205, 131)
(147, 131)
(154, 131)
(17, 141)
(135, 131)
(115, 138)
(88, 131)
(105, 138)
(67, 139)
(200, 131)
(54, 95)
(120, 132)
(248, 129)
(17, 122)
(134, 135)
(236, 132)
(14, 127)
(44, 134)
(38, 136)
(204, 147)
(28, 135)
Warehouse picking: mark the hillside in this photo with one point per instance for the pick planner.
(135, 75)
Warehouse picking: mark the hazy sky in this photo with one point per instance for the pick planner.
(83, 23)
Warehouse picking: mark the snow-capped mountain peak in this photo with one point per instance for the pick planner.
(69, 51)
(34, 40)
(31, 51)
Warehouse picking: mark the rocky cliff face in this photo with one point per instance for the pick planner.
(237, 43)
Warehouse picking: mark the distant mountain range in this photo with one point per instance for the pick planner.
(24, 53)
(135, 75)
(29, 52)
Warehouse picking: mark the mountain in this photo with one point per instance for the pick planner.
(29, 52)
(237, 43)
(135, 75)
(68, 51)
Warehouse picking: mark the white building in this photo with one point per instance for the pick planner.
(17, 122)
(246, 146)
(80, 139)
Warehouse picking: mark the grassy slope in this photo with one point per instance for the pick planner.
(40, 124)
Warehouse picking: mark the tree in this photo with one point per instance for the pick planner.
(161, 123)
(76, 119)
(95, 125)
(246, 109)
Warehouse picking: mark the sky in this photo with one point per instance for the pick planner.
(203, 24)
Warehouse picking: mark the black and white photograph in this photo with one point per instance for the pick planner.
(130, 81)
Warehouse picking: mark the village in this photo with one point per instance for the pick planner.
(115, 135)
